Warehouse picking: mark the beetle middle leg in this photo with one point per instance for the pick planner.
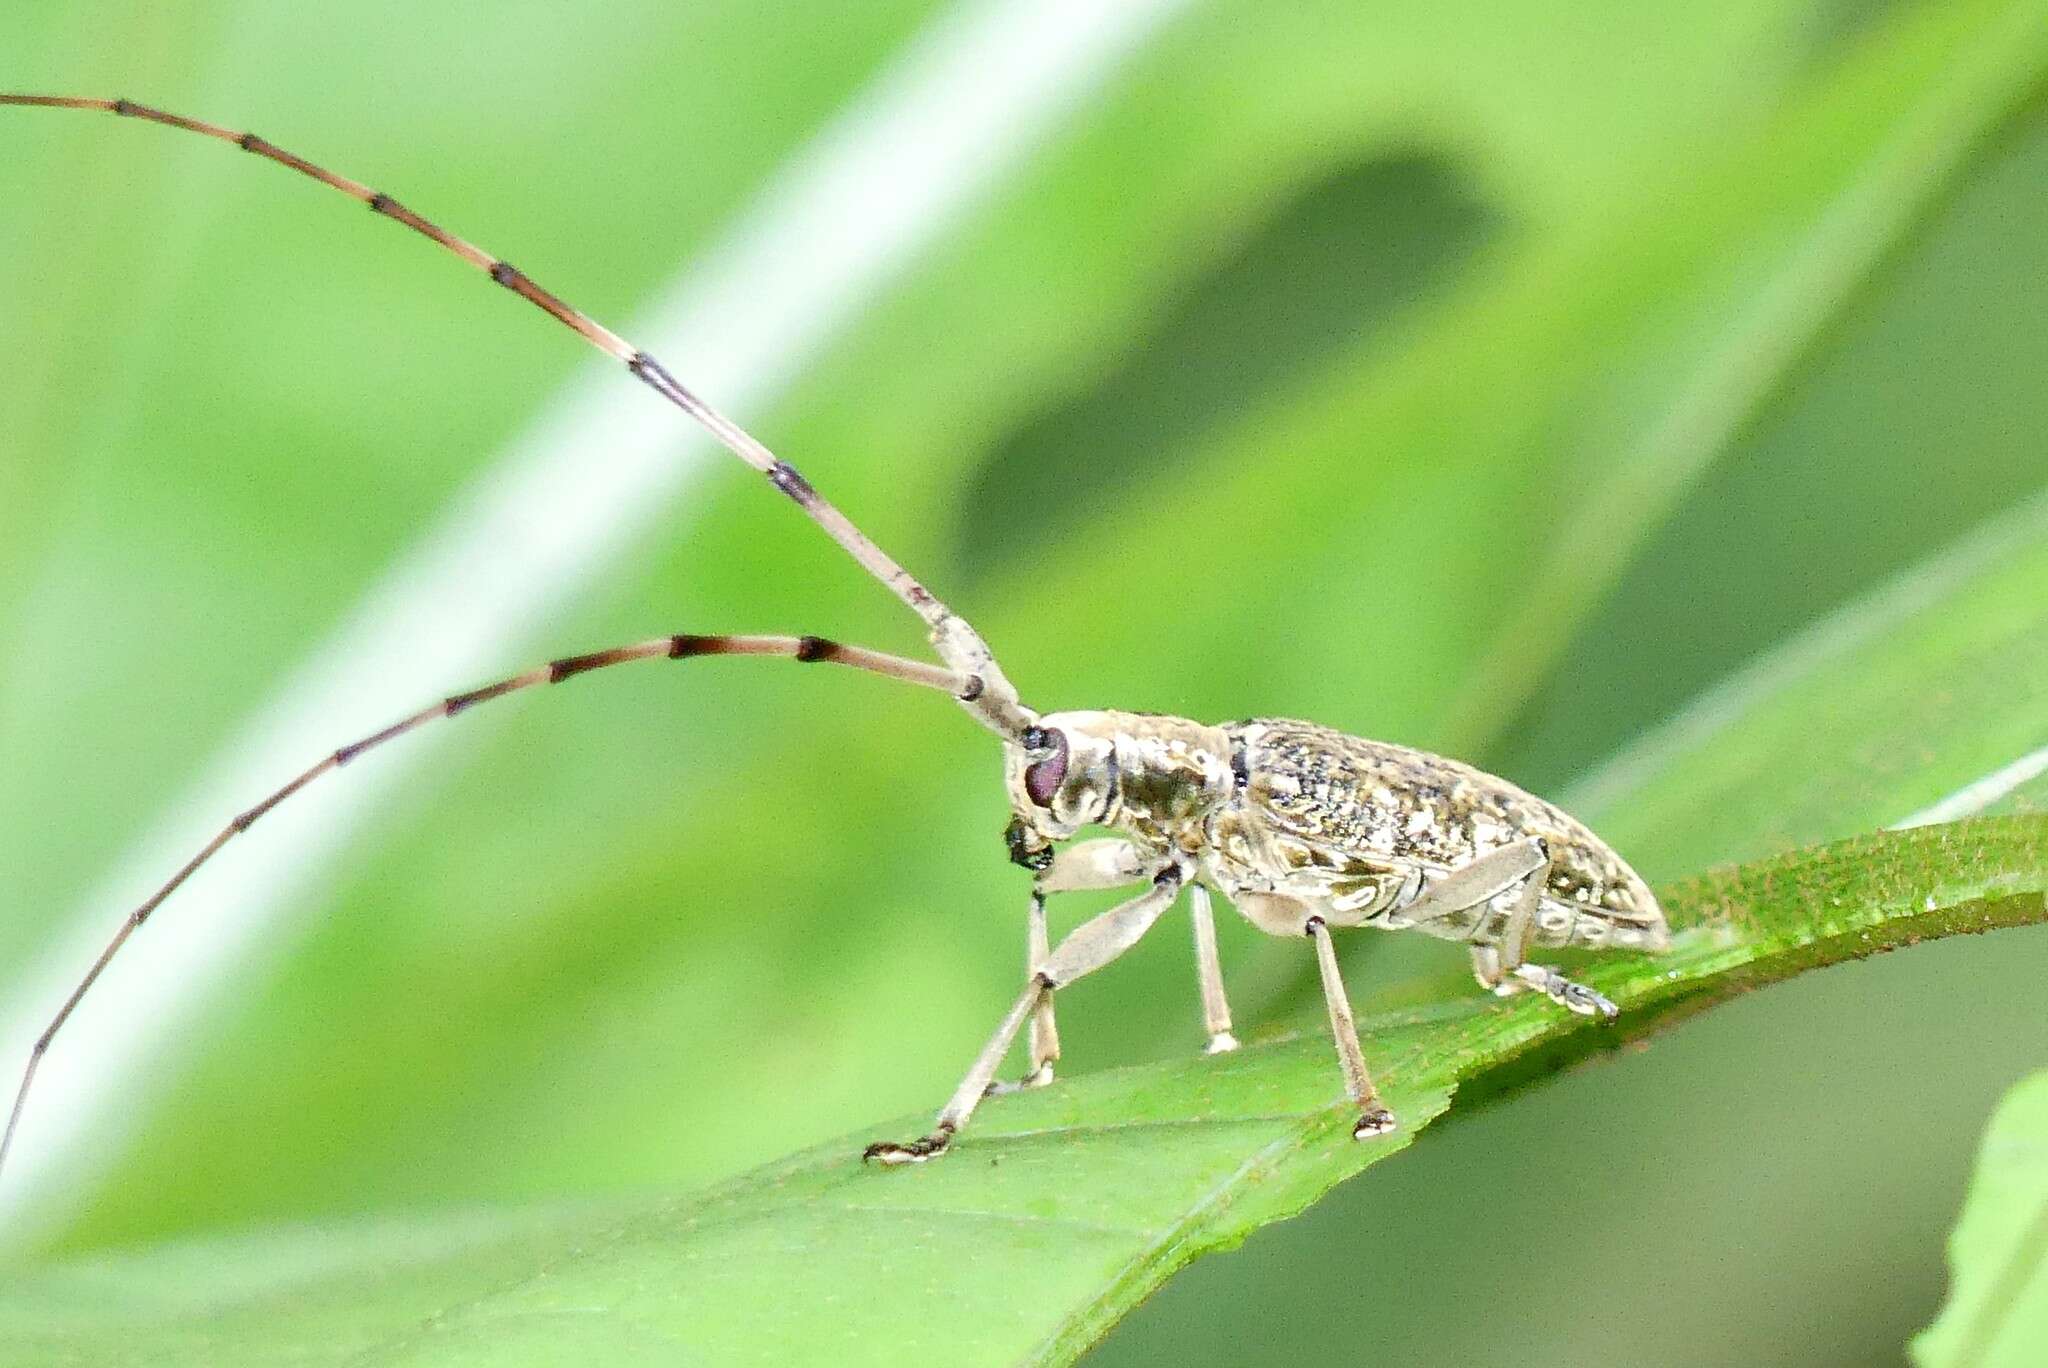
(1209, 972)
(1373, 1117)
(1278, 914)
(1087, 948)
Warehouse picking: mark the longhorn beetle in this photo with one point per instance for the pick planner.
(1303, 828)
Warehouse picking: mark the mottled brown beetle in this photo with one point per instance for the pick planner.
(1301, 827)
(1304, 829)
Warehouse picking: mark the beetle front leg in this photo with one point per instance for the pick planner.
(1045, 1031)
(1106, 863)
(1112, 863)
(1090, 946)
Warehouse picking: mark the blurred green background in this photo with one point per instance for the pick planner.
(1492, 379)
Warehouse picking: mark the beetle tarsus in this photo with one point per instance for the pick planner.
(1037, 1078)
(1374, 1122)
(914, 1152)
(1574, 997)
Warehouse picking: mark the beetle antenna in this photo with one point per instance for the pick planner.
(966, 688)
(957, 643)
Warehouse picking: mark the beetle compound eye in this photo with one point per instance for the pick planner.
(1043, 779)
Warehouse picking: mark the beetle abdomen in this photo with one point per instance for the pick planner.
(1385, 802)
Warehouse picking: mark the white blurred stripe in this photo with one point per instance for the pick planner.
(1973, 798)
(600, 470)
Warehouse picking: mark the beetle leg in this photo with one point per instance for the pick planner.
(1106, 863)
(1576, 997)
(1209, 972)
(1504, 968)
(1373, 1117)
(1492, 963)
(1090, 946)
(1500, 965)
(1472, 885)
(1045, 1032)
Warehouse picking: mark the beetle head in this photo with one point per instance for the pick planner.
(1062, 776)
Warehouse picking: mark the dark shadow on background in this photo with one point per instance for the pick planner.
(1835, 25)
(1321, 277)
(1914, 423)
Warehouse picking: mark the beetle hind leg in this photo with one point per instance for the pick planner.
(1566, 993)
(1502, 966)
(1504, 969)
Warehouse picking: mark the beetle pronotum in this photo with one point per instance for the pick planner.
(1303, 828)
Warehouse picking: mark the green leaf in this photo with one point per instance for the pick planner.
(1055, 1213)
(619, 921)
(615, 946)
(1997, 1311)
(598, 940)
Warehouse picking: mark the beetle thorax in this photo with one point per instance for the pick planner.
(1156, 778)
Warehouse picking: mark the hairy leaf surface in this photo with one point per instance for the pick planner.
(1055, 1213)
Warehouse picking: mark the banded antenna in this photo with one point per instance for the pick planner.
(970, 673)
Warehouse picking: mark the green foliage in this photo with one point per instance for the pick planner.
(1594, 351)
(1056, 1213)
(1998, 1310)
